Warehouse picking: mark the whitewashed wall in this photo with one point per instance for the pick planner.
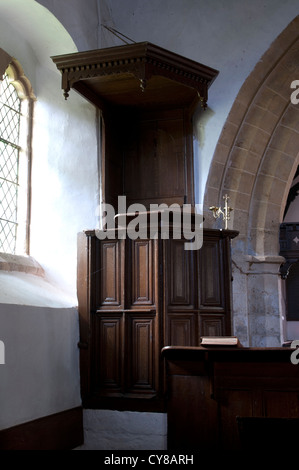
(38, 316)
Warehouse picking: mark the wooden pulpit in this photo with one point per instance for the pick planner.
(138, 295)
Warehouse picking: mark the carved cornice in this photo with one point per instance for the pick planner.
(142, 60)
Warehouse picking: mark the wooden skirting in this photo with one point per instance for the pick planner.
(61, 431)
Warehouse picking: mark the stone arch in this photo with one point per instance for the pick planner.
(257, 152)
(18, 78)
(254, 163)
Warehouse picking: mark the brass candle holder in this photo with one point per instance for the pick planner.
(225, 212)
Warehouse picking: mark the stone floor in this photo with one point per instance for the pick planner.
(115, 430)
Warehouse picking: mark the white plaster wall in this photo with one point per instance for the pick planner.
(80, 18)
(32, 33)
(38, 321)
(64, 178)
(40, 376)
(20, 288)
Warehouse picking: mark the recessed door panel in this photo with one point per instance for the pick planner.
(140, 353)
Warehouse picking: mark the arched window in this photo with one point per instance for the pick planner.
(16, 107)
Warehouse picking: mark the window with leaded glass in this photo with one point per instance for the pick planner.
(16, 117)
(10, 116)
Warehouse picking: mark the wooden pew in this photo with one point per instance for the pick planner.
(231, 398)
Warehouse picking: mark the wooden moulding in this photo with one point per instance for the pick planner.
(60, 431)
(115, 72)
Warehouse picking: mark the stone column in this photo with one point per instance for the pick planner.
(257, 319)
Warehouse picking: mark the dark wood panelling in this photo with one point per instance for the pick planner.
(111, 276)
(140, 179)
(233, 403)
(155, 147)
(147, 293)
(181, 329)
(142, 270)
(180, 276)
(211, 325)
(141, 353)
(211, 275)
(171, 143)
(226, 399)
(190, 416)
(112, 165)
(108, 353)
(281, 404)
(60, 431)
(139, 149)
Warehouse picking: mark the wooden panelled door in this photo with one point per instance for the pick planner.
(137, 296)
